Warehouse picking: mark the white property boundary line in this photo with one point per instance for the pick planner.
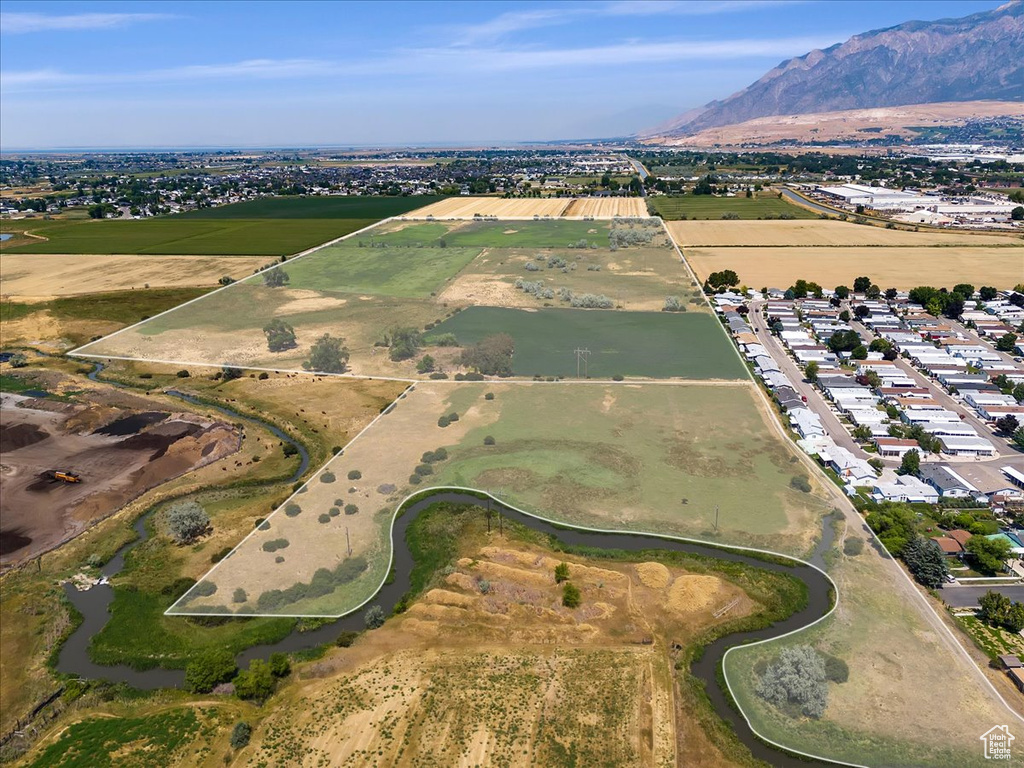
(78, 352)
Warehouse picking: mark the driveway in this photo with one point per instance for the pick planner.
(957, 596)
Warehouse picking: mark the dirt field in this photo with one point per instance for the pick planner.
(40, 276)
(896, 267)
(119, 450)
(817, 232)
(468, 207)
(510, 677)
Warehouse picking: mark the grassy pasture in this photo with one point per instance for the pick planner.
(544, 234)
(655, 344)
(173, 235)
(711, 207)
(332, 207)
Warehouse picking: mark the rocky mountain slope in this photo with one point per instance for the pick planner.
(977, 57)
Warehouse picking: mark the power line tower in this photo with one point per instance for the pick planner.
(582, 356)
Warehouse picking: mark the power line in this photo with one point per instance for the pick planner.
(582, 356)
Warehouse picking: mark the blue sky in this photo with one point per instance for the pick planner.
(165, 74)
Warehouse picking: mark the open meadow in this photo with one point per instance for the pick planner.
(587, 455)
(899, 267)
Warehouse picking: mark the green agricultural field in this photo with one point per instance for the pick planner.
(413, 272)
(176, 235)
(525, 234)
(711, 207)
(656, 344)
(332, 207)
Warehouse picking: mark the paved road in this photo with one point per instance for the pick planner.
(815, 401)
(796, 199)
(967, 597)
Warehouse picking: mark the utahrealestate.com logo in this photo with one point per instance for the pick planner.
(997, 742)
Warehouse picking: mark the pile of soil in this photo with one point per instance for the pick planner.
(15, 436)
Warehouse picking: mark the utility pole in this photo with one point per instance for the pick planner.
(716, 518)
(582, 356)
(348, 542)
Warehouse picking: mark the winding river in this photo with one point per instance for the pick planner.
(94, 603)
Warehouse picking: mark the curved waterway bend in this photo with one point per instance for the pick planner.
(94, 604)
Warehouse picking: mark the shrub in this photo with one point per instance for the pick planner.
(279, 559)
(571, 597)
(853, 546)
(279, 665)
(351, 509)
(204, 589)
(327, 477)
(240, 735)
(443, 422)
(374, 617)
(415, 479)
(183, 374)
(618, 377)
(256, 682)
(275, 544)
(836, 670)
(208, 670)
(263, 376)
(796, 679)
(355, 474)
(800, 483)
(484, 586)
(239, 596)
(187, 521)
(293, 510)
(453, 416)
(334, 512)
(346, 638)
(489, 396)
(489, 440)
(424, 469)
(561, 573)
(324, 518)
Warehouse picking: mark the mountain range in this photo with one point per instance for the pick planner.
(973, 58)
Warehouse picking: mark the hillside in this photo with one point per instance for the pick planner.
(974, 58)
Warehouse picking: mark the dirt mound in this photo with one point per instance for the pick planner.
(15, 436)
(130, 425)
(654, 575)
(691, 594)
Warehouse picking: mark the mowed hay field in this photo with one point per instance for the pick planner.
(820, 232)
(889, 267)
(468, 207)
(39, 276)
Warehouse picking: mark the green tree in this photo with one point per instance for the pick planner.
(987, 555)
(797, 677)
(404, 343)
(256, 682)
(327, 355)
(862, 432)
(926, 562)
(374, 617)
(966, 290)
(571, 597)
(279, 665)
(844, 341)
(1017, 214)
(280, 335)
(1006, 342)
(426, 364)
(860, 352)
(491, 356)
(208, 670)
(811, 371)
(861, 284)
(726, 278)
(842, 292)
(911, 463)
(987, 292)
(240, 735)
(275, 278)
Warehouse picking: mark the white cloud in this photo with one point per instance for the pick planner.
(21, 23)
(513, 21)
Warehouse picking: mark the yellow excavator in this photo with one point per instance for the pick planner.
(66, 477)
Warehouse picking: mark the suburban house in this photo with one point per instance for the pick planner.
(946, 481)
